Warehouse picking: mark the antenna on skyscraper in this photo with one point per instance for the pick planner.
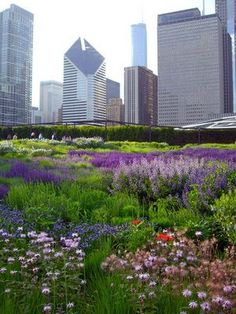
(203, 7)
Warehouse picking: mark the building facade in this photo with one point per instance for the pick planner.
(84, 85)
(112, 89)
(140, 96)
(115, 110)
(226, 10)
(190, 67)
(16, 50)
(50, 100)
(139, 44)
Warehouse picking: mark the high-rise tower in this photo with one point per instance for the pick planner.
(139, 44)
(84, 86)
(226, 10)
(140, 96)
(190, 67)
(50, 100)
(16, 49)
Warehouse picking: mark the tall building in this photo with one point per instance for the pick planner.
(84, 86)
(190, 67)
(50, 100)
(113, 89)
(140, 95)
(16, 50)
(115, 110)
(226, 10)
(139, 44)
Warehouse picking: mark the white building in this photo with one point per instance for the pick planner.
(84, 86)
(50, 100)
(190, 67)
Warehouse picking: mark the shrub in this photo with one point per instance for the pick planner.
(224, 210)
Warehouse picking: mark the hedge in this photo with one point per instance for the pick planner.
(129, 133)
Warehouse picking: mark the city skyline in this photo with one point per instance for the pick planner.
(105, 23)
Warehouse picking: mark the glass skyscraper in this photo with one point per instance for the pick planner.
(226, 10)
(139, 44)
(84, 86)
(16, 49)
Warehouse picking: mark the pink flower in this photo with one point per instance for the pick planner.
(201, 295)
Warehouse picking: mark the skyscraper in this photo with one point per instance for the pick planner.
(140, 93)
(50, 100)
(190, 67)
(84, 86)
(226, 9)
(139, 44)
(16, 49)
(113, 89)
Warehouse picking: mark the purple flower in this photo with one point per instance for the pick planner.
(205, 306)
(187, 293)
(193, 305)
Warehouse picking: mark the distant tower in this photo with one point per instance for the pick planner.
(50, 100)
(190, 67)
(226, 10)
(84, 86)
(140, 96)
(16, 50)
(139, 44)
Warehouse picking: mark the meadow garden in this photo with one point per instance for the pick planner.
(95, 227)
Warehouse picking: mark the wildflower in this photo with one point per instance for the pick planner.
(193, 305)
(10, 260)
(70, 305)
(47, 308)
(205, 306)
(152, 284)
(136, 222)
(218, 300)
(164, 237)
(45, 290)
(3, 270)
(144, 277)
(198, 233)
(228, 289)
(201, 295)
(151, 294)
(187, 293)
(129, 277)
(7, 290)
(227, 304)
(83, 282)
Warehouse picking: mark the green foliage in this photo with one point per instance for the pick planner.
(209, 227)
(134, 237)
(224, 210)
(168, 212)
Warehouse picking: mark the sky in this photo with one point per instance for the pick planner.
(105, 24)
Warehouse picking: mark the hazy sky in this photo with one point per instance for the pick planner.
(104, 23)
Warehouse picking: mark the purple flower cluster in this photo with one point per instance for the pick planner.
(3, 190)
(112, 160)
(30, 173)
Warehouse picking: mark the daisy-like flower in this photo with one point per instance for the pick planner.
(227, 304)
(205, 306)
(47, 308)
(198, 233)
(70, 305)
(45, 290)
(193, 305)
(218, 300)
(187, 293)
(202, 295)
(228, 289)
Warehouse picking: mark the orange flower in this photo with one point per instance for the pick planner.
(164, 237)
(136, 222)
